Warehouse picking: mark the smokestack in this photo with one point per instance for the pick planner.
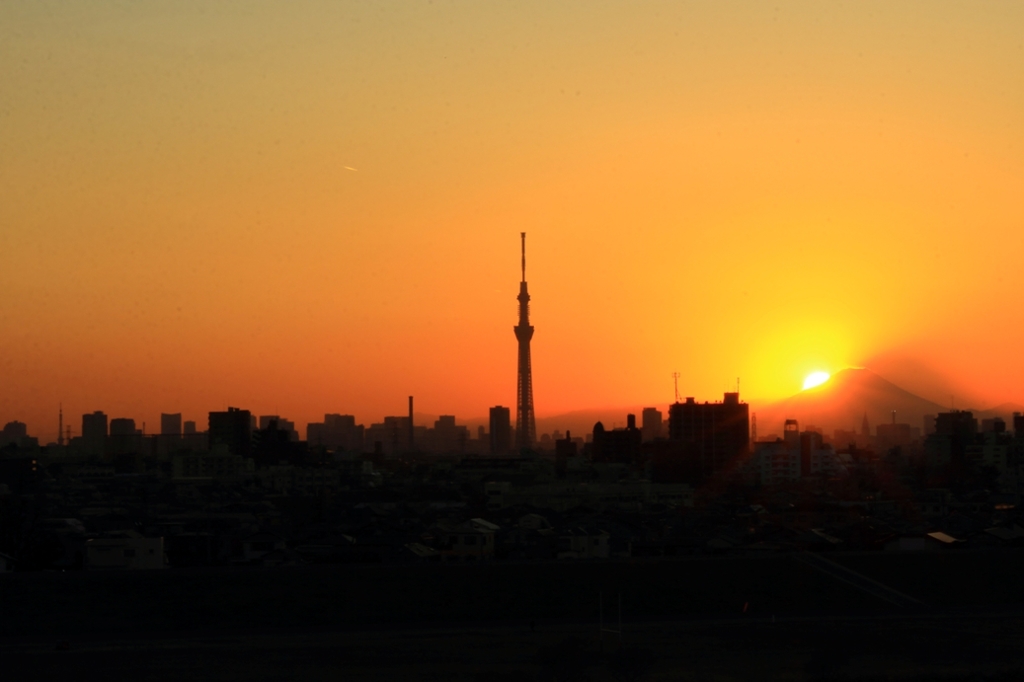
(411, 441)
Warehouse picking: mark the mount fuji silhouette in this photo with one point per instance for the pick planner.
(839, 403)
(844, 400)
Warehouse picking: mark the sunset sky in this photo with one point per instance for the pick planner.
(309, 207)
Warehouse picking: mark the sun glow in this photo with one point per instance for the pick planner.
(815, 379)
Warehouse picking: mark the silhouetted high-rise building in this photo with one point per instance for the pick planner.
(337, 432)
(445, 437)
(281, 425)
(566, 447)
(710, 435)
(192, 439)
(170, 424)
(122, 426)
(15, 429)
(810, 443)
(272, 445)
(124, 438)
(233, 429)
(501, 430)
(651, 425)
(888, 436)
(13, 432)
(993, 425)
(412, 428)
(170, 439)
(526, 426)
(617, 445)
(791, 434)
(391, 437)
(958, 423)
(947, 446)
(94, 433)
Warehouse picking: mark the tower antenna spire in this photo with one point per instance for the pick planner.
(523, 236)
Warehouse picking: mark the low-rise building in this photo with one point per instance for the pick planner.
(257, 546)
(583, 543)
(799, 455)
(624, 495)
(219, 462)
(471, 540)
(124, 550)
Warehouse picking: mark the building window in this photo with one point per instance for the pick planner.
(469, 540)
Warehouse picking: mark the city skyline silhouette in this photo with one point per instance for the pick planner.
(888, 397)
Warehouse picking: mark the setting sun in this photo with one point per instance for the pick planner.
(815, 379)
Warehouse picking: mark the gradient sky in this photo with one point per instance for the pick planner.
(309, 207)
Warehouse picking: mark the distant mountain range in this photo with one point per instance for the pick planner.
(1004, 410)
(840, 403)
(849, 395)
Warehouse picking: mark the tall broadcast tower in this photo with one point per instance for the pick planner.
(526, 425)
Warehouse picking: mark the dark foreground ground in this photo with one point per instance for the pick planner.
(941, 616)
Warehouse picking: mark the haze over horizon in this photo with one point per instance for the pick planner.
(311, 207)
(771, 415)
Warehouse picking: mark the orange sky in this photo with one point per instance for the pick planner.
(723, 189)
